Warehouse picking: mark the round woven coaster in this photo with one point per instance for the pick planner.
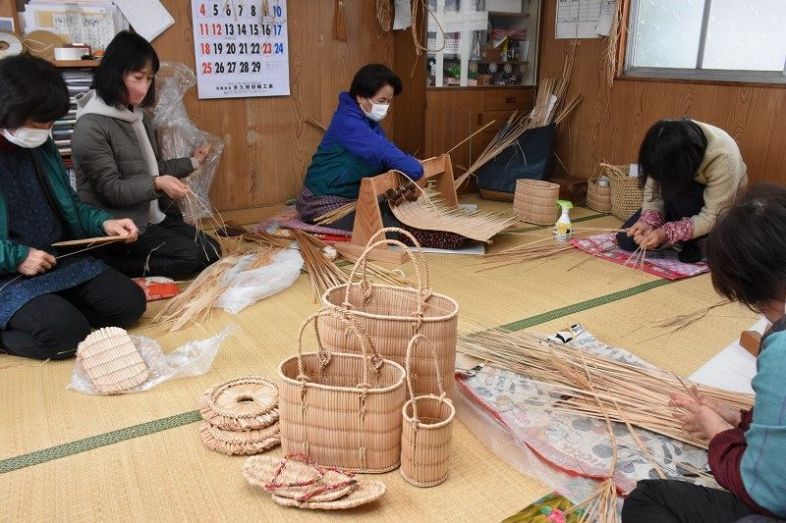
(112, 361)
(241, 404)
(297, 480)
(365, 491)
(239, 443)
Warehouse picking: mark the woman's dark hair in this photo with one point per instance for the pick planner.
(30, 88)
(670, 154)
(371, 78)
(127, 52)
(747, 248)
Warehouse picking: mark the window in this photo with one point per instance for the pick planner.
(727, 40)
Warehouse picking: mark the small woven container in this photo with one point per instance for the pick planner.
(536, 201)
(342, 410)
(247, 403)
(112, 361)
(598, 197)
(626, 196)
(391, 315)
(426, 432)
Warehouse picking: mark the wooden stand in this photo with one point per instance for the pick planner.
(368, 216)
(751, 342)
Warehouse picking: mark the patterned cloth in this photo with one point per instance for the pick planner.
(33, 222)
(676, 231)
(310, 206)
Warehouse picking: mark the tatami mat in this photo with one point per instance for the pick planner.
(168, 475)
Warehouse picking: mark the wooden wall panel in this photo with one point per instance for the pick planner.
(268, 147)
(610, 124)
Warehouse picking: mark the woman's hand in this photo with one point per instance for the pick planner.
(698, 420)
(652, 239)
(731, 416)
(170, 185)
(37, 262)
(124, 228)
(638, 229)
(200, 153)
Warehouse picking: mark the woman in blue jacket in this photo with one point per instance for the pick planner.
(354, 147)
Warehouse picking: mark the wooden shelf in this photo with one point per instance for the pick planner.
(73, 64)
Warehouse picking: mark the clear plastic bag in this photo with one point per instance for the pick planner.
(178, 136)
(192, 359)
(247, 287)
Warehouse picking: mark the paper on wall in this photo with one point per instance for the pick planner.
(403, 14)
(149, 18)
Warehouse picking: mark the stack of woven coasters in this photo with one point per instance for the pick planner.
(240, 416)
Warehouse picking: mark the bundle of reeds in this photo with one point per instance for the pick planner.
(551, 105)
(195, 303)
(594, 385)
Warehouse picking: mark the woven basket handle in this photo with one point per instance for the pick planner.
(419, 262)
(371, 357)
(417, 338)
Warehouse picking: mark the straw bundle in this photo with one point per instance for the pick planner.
(431, 213)
(536, 201)
(195, 304)
(631, 394)
(342, 410)
(540, 249)
(551, 105)
(427, 429)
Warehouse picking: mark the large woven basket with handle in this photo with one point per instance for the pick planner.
(393, 315)
(342, 410)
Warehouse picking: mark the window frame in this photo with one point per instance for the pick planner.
(697, 73)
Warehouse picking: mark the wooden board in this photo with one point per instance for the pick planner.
(88, 241)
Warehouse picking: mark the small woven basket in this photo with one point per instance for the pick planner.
(342, 410)
(391, 315)
(626, 196)
(536, 201)
(427, 430)
(598, 197)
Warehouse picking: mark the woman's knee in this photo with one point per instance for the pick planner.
(49, 328)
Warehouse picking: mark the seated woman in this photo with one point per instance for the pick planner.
(118, 166)
(690, 171)
(747, 449)
(355, 147)
(49, 300)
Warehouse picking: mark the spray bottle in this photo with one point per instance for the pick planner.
(563, 229)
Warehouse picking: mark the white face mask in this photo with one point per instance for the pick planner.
(378, 111)
(28, 137)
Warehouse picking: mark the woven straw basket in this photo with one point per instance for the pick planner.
(536, 201)
(626, 196)
(598, 198)
(392, 315)
(426, 431)
(342, 410)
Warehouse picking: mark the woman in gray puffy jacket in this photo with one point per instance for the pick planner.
(118, 167)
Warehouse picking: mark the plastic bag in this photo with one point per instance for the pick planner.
(247, 287)
(178, 136)
(192, 359)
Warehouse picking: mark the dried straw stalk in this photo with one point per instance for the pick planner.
(630, 393)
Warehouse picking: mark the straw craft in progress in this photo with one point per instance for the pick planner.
(241, 416)
(296, 481)
(112, 361)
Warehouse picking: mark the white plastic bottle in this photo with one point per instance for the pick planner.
(563, 229)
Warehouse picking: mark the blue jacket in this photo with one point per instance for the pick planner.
(353, 148)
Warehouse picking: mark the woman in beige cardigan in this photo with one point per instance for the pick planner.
(689, 171)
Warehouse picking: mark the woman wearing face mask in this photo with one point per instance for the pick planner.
(118, 166)
(355, 147)
(49, 299)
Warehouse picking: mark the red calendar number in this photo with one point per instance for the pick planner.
(207, 68)
(205, 48)
(267, 48)
(202, 10)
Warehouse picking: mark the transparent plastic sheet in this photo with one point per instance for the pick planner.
(178, 136)
(247, 287)
(192, 359)
(510, 414)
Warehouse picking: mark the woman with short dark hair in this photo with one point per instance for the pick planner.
(354, 147)
(118, 166)
(746, 449)
(690, 171)
(49, 300)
